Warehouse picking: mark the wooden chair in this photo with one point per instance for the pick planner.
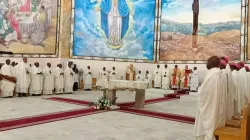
(94, 80)
(230, 133)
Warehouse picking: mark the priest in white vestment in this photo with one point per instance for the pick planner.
(242, 93)
(22, 76)
(139, 76)
(103, 76)
(224, 86)
(68, 79)
(248, 82)
(230, 90)
(148, 78)
(165, 77)
(36, 85)
(236, 78)
(48, 80)
(88, 79)
(157, 78)
(210, 103)
(7, 87)
(13, 69)
(194, 82)
(112, 74)
(59, 79)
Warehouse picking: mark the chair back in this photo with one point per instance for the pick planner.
(244, 122)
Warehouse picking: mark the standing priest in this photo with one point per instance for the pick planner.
(157, 79)
(209, 102)
(7, 87)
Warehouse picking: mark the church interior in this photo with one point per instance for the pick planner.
(124, 70)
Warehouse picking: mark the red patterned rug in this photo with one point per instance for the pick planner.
(44, 118)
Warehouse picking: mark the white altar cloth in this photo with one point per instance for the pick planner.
(125, 84)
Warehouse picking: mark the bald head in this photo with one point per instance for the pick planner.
(213, 62)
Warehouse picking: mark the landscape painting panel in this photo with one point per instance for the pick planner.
(114, 28)
(198, 29)
(28, 26)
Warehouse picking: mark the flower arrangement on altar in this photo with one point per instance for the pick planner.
(103, 103)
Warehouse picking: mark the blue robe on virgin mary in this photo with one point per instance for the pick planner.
(123, 10)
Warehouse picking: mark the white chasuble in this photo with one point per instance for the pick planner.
(36, 86)
(194, 82)
(88, 80)
(139, 77)
(7, 87)
(157, 78)
(112, 75)
(23, 79)
(68, 80)
(48, 81)
(210, 105)
(103, 76)
(165, 78)
(59, 80)
(148, 78)
(230, 94)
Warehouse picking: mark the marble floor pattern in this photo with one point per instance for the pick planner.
(111, 125)
(185, 106)
(105, 126)
(29, 106)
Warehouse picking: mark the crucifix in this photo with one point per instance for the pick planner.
(195, 8)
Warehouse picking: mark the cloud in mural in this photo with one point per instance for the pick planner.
(90, 39)
(223, 9)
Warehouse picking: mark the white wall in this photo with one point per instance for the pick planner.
(96, 65)
(121, 67)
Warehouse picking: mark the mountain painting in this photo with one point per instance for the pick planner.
(197, 29)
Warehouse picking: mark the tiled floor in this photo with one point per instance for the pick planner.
(22, 107)
(104, 126)
(186, 106)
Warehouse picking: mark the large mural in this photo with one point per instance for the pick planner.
(114, 28)
(28, 26)
(198, 29)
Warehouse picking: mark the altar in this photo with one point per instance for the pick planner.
(110, 87)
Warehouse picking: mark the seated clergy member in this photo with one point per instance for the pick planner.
(59, 79)
(139, 76)
(157, 78)
(175, 78)
(88, 79)
(48, 80)
(103, 76)
(36, 85)
(209, 102)
(68, 79)
(22, 76)
(147, 77)
(165, 77)
(112, 74)
(7, 87)
(194, 82)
